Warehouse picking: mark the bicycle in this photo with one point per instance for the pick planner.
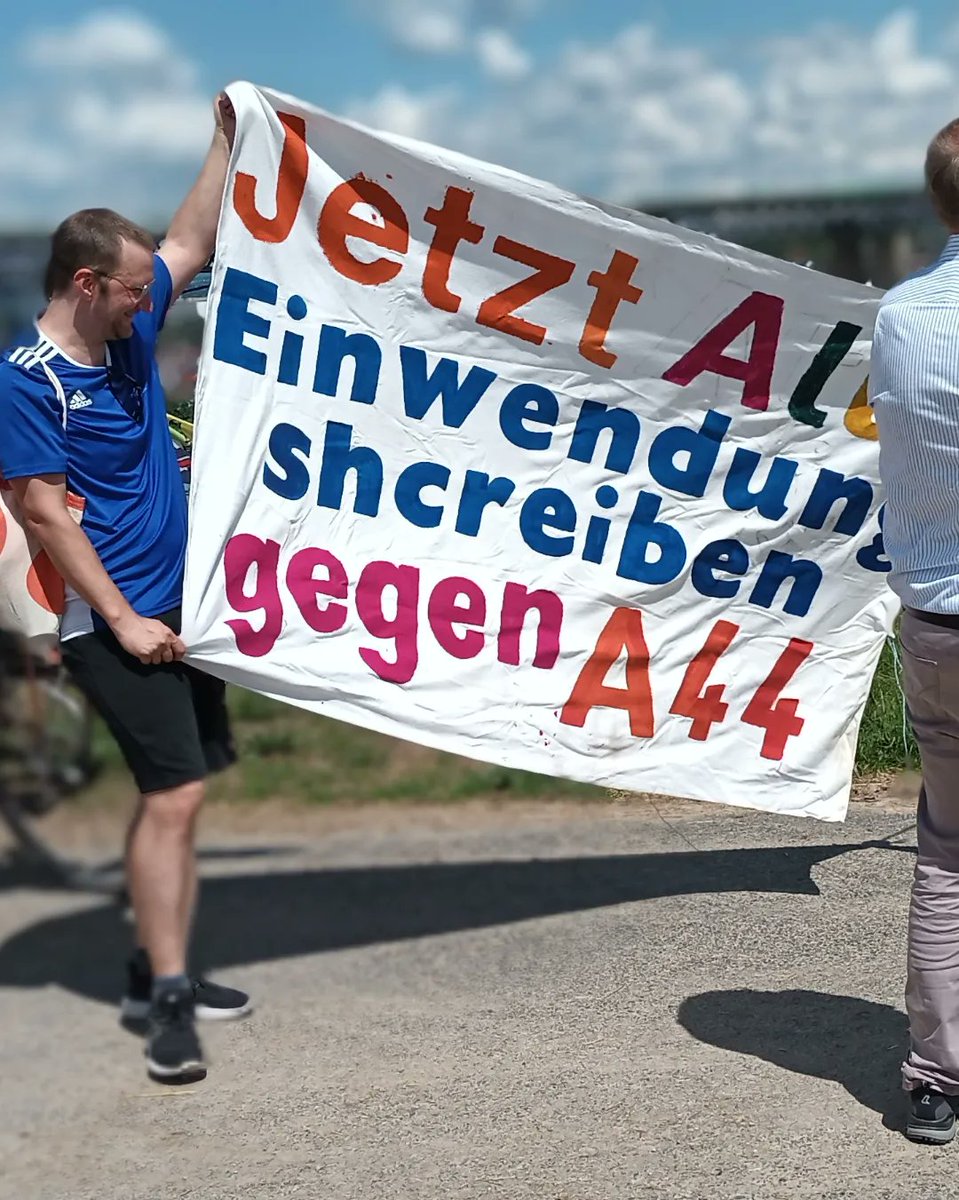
(46, 750)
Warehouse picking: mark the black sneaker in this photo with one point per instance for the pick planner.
(932, 1117)
(213, 1002)
(173, 1049)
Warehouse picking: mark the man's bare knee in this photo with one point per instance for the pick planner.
(175, 808)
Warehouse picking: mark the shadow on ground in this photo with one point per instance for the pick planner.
(256, 917)
(857, 1043)
(48, 871)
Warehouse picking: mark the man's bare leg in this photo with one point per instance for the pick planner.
(161, 874)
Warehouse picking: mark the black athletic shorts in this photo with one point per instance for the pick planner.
(169, 720)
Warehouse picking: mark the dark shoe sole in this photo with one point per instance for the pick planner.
(929, 1135)
(188, 1072)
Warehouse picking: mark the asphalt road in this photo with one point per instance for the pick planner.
(552, 1002)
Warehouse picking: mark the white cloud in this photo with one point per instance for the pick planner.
(851, 109)
(401, 111)
(431, 33)
(500, 56)
(167, 127)
(640, 117)
(459, 27)
(115, 118)
(426, 26)
(109, 110)
(101, 39)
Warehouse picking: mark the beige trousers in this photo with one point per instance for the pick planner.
(931, 683)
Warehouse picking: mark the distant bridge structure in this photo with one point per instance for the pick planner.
(875, 237)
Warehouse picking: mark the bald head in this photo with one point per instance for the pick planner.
(942, 174)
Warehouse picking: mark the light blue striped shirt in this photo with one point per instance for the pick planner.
(914, 389)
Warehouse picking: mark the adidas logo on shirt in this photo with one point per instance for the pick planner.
(79, 400)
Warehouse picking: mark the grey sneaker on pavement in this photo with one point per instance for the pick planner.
(932, 1117)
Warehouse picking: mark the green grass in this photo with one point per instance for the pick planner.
(290, 754)
(886, 742)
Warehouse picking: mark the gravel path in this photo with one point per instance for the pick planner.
(559, 1002)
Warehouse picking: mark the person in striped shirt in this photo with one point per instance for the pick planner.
(914, 389)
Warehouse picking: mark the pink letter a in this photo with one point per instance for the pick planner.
(763, 311)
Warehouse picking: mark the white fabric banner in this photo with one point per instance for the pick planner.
(505, 471)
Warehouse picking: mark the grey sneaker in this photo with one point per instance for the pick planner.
(932, 1117)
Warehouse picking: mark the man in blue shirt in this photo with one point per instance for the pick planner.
(83, 413)
(915, 393)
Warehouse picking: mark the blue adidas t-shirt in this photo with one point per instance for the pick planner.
(105, 429)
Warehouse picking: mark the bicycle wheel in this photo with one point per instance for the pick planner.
(46, 742)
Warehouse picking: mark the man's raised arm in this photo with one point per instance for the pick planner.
(190, 239)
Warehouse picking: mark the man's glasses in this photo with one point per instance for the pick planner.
(135, 292)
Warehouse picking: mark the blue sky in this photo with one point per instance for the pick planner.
(629, 101)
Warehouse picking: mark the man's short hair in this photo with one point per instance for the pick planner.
(942, 173)
(92, 237)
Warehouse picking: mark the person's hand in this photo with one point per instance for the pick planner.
(225, 116)
(148, 640)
